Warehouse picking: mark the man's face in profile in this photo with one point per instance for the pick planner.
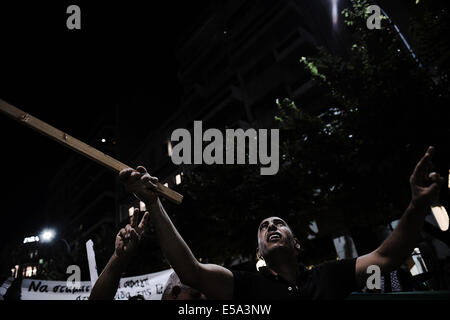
(274, 234)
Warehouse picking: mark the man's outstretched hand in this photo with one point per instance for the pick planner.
(425, 185)
(127, 240)
(140, 183)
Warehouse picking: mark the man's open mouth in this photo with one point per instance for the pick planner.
(274, 237)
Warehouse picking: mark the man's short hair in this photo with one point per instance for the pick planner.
(172, 282)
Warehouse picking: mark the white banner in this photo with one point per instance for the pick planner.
(149, 286)
(5, 286)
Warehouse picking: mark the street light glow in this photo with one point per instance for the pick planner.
(334, 12)
(47, 235)
(178, 179)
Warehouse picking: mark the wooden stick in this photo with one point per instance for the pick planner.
(78, 146)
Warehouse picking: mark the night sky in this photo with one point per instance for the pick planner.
(70, 79)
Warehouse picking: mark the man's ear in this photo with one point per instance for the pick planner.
(258, 254)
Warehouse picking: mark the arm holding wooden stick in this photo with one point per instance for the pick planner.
(215, 281)
(78, 146)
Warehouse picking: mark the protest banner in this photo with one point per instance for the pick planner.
(5, 286)
(149, 286)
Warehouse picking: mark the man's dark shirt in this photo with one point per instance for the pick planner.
(329, 280)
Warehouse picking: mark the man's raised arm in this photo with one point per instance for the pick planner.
(425, 187)
(126, 246)
(214, 281)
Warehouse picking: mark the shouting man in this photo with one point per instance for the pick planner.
(284, 277)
